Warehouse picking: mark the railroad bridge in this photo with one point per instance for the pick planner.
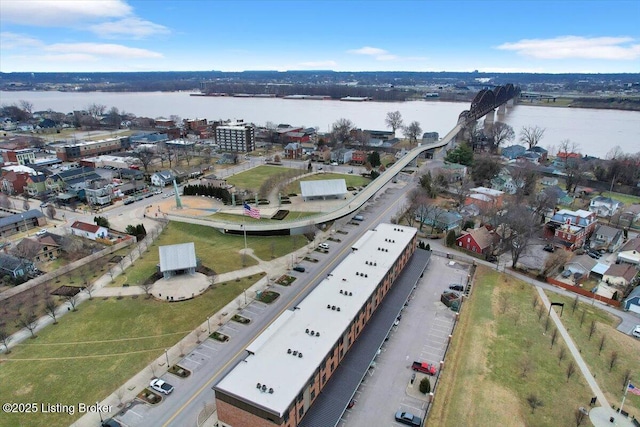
(485, 103)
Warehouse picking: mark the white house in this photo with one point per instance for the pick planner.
(162, 178)
(604, 206)
(89, 231)
(630, 252)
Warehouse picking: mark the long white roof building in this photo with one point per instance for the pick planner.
(287, 354)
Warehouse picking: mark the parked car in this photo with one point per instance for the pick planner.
(299, 268)
(41, 232)
(358, 218)
(549, 248)
(456, 287)
(161, 386)
(158, 191)
(110, 422)
(408, 418)
(593, 254)
(323, 246)
(129, 200)
(566, 274)
(636, 332)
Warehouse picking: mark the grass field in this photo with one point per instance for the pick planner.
(628, 349)
(498, 335)
(351, 181)
(253, 178)
(95, 350)
(293, 215)
(627, 199)
(217, 251)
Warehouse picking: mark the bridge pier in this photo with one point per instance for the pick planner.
(511, 102)
(502, 109)
(489, 120)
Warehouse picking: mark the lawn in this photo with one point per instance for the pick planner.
(217, 251)
(293, 215)
(627, 199)
(498, 336)
(350, 179)
(253, 178)
(628, 349)
(95, 350)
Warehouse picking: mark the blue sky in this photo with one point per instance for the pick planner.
(493, 36)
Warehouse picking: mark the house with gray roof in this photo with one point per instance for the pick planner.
(439, 218)
(630, 252)
(513, 151)
(15, 267)
(604, 206)
(606, 237)
(162, 178)
(24, 221)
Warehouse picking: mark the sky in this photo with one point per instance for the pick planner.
(575, 36)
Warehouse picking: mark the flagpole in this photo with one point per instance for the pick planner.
(626, 389)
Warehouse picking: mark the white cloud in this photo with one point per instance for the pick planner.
(318, 64)
(102, 50)
(10, 40)
(131, 27)
(56, 13)
(575, 47)
(367, 50)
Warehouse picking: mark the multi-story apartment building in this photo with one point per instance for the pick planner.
(289, 364)
(236, 137)
(78, 150)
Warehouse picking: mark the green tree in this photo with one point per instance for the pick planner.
(462, 154)
(425, 385)
(101, 221)
(374, 159)
(451, 238)
(484, 168)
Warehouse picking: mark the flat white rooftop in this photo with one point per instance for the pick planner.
(287, 354)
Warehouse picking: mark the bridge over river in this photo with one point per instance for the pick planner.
(483, 105)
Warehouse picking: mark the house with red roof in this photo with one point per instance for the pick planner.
(89, 231)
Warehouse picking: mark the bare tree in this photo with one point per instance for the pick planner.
(579, 417)
(554, 261)
(534, 402)
(4, 201)
(146, 155)
(26, 106)
(547, 322)
(592, 329)
(72, 300)
(89, 288)
(526, 365)
(499, 134)
(120, 395)
(571, 369)
(5, 338)
(625, 379)
(561, 354)
(582, 316)
(25, 204)
(51, 211)
(412, 132)
(540, 312)
(520, 228)
(554, 337)
(531, 135)
(341, 130)
(603, 340)
(96, 110)
(50, 307)
(393, 120)
(29, 321)
(574, 304)
(146, 287)
(535, 301)
(613, 359)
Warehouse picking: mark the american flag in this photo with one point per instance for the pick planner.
(252, 212)
(633, 390)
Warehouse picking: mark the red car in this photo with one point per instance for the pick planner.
(426, 368)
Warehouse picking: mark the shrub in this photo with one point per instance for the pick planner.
(425, 385)
(451, 238)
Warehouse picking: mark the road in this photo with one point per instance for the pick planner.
(184, 405)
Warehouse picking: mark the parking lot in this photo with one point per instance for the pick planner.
(421, 335)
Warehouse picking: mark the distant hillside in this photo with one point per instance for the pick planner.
(630, 104)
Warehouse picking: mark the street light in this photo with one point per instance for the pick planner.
(167, 356)
(208, 326)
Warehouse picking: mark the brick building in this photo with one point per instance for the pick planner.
(570, 228)
(78, 150)
(289, 364)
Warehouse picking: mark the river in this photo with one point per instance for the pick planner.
(595, 131)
